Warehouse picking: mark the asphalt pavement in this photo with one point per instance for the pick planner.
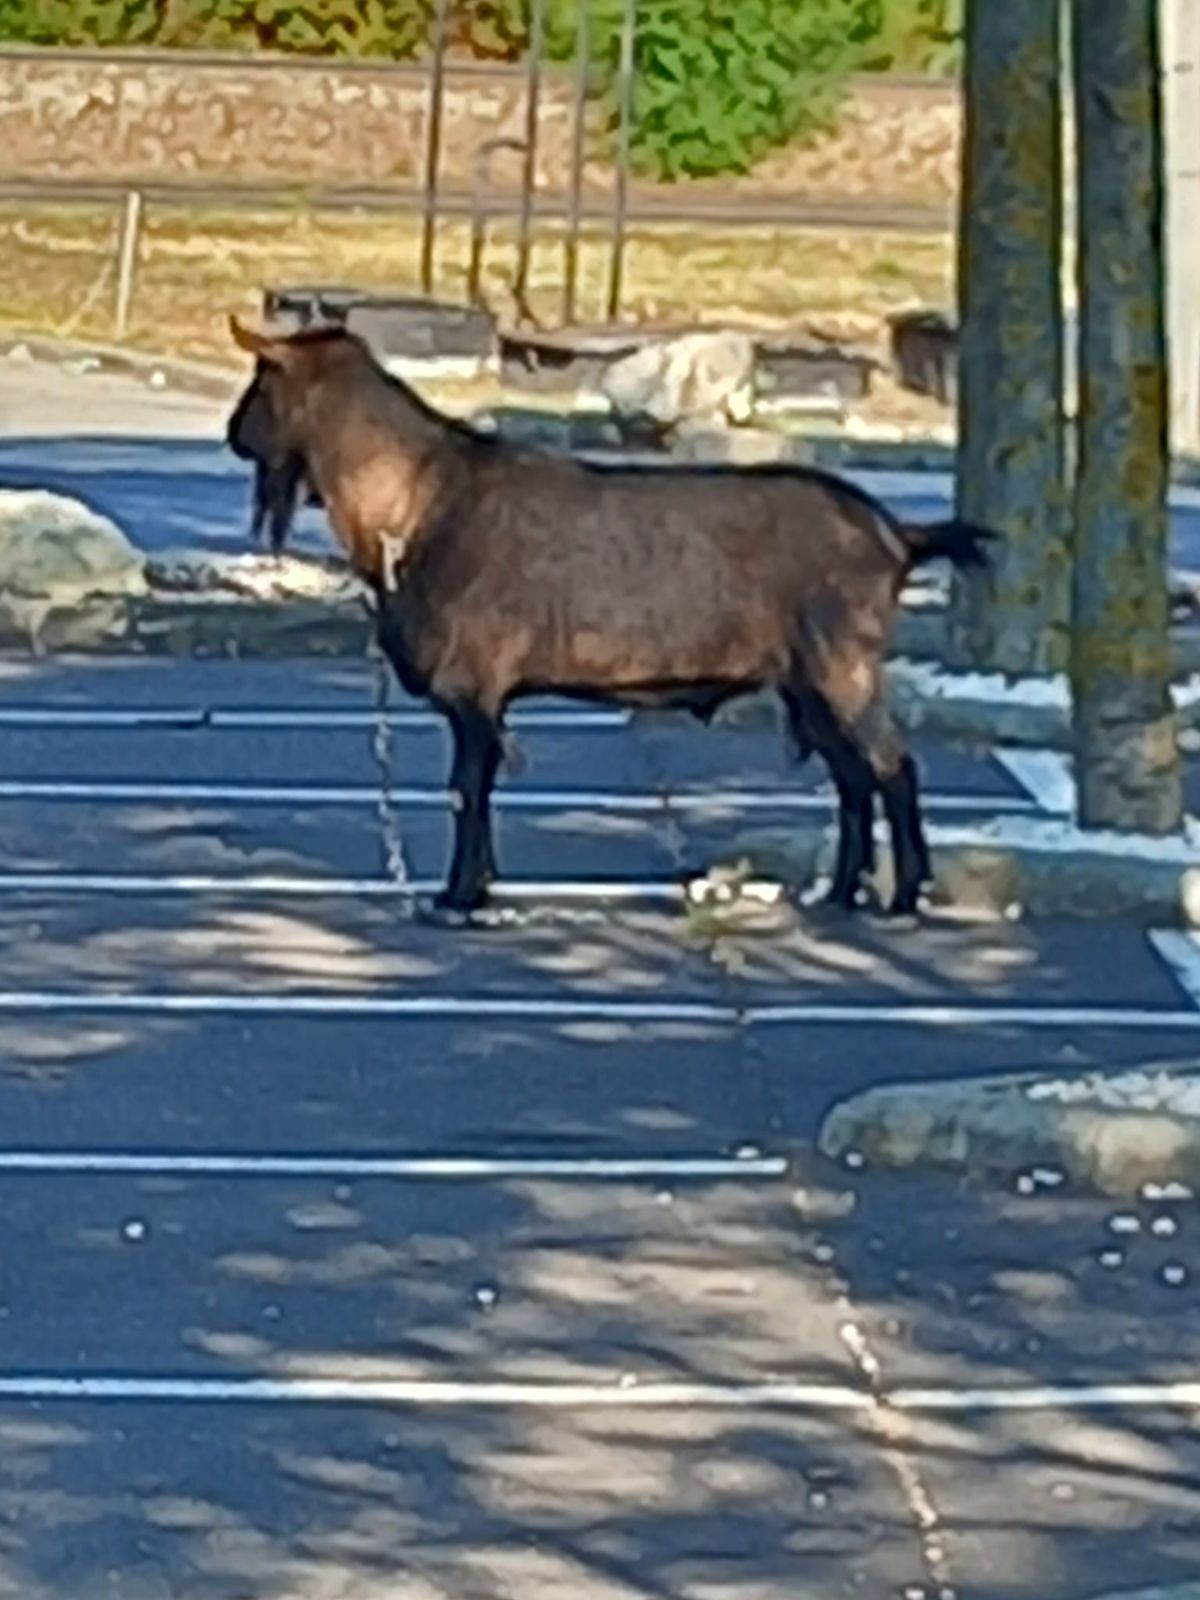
(351, 1257)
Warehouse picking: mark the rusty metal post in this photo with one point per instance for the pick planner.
(433, 140)
(621, 186)
(537, 28)
(583, 65)
(1126, 752)
(481, 172)
(1010, 466)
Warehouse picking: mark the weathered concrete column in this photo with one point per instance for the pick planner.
(1010, 450)
(1127, 760)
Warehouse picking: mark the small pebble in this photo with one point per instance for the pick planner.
(135, 1230)
(1025, 1184)
(272, 1313)
(1174, 1273)
(747, 1152)
(823, 1253)
(341, 1192)
(818, 1499)
(1124, 1222)
(664, 1197)
(1111, 1258)
(914, 1591)
(1166, 1191)
(1164, 1227)
(628, 1380)
(486, 1296)
(1061, 1491)
(854, 1159)
(1048, 1177)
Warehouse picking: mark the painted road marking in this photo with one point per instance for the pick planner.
(118, 1163)
(588, 890)
(1046, 776)
(189, 718)
(1180, 951)
(922, 1014)
(620, 1394)
(822, 800)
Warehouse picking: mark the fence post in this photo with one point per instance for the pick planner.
(433, 141)
(583, 63)
(529, 165)
(127, 258)
(621, 187)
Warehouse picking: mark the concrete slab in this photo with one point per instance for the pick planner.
(344, 1501)
(1063, 1507)
(949, 954)
(962, 1282)
(158, 835)
(263, 1086)
(276, 946)
(583, 1282)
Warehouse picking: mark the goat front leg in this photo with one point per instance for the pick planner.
(477, 753)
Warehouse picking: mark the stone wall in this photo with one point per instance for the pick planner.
(124, 117)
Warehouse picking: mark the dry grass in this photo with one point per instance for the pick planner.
(57, 271)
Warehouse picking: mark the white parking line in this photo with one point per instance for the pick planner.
(1180, 951)
(162, 1164)
(61, 789)
(1046, 776)
(190, 718)
(533, 1008)
(420, 1392)
(596, 890)
(620, 1394)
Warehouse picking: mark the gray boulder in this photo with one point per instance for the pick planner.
(695, 381)
(56, 549)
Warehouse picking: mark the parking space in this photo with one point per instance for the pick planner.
(344, 1251)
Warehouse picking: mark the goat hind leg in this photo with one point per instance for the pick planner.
(477, 753)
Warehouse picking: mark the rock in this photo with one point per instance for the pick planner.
(1109, 1131)
(698, 379)
(198, 573)
(57, 549)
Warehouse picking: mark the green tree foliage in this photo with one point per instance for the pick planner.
(718, 83)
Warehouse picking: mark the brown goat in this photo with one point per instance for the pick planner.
(502, 571)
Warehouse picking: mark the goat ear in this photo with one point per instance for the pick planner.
(261, 345)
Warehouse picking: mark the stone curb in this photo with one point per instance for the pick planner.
(1008, 867)
(1128, 1133)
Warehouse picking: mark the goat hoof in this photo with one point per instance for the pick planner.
(444, 912)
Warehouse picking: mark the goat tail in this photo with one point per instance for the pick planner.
(962, 544)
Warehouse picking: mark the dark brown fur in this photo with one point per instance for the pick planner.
(503, 571)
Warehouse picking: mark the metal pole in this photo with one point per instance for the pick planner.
(131, 229)
(583, 63)
(1180, 32)
(537, 18)
(621, 187)
(433, 140)
(481, 171)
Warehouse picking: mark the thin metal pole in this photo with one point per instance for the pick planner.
(583, 66)
(1180, 32)
(537, 20)
(621, 187)
(481, 171)
(131, 229)
(433, 140)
